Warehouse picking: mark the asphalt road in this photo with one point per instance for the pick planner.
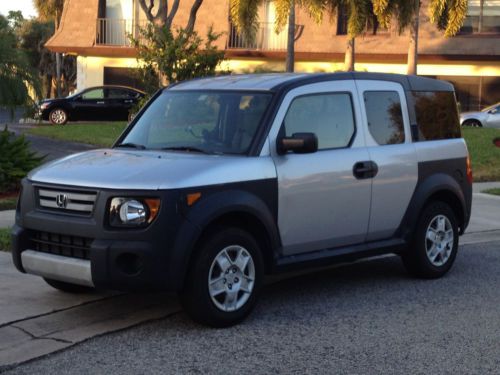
(365, 318)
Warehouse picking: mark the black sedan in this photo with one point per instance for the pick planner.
(110, 103)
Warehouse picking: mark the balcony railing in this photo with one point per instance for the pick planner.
(117, 32)
(265, 39)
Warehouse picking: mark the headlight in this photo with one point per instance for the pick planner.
(44, 106)
(129, 212)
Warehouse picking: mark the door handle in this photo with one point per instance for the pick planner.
(100, 102)
(129, 101)
(365, 169)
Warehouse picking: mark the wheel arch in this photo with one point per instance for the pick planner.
(438, 187)
(230, 208)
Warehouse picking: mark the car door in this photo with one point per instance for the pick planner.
(91, 105)
(493, 117)
(321, 203)
(389, 144)
(120, 101)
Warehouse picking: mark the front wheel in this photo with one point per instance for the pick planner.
(224, 279)
(58, 116)
(435, 242)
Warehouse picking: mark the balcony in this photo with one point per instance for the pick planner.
(117, 32)
(266, 38)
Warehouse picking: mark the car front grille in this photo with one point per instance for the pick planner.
(69, 201)
(59, 244)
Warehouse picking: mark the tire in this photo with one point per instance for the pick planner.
(234, 292)
(69, 288)
(58, 116)
(472, 124)
(433, 250)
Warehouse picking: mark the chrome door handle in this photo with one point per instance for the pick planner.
(100, 102)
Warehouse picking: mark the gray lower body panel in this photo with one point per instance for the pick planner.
(57, 267)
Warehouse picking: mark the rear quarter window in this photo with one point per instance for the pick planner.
(437, 115)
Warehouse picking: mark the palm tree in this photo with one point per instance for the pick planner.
(358, 12)
(448, 15)
(244, 15)
(51, 10)
(16, 76)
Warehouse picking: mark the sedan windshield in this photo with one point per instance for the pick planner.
(199, 121)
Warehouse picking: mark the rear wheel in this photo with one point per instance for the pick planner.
(472, 124)
(69, 288)
(435, 242)
(225, 278)
(58, 116)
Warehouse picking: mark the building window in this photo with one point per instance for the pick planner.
(483, 16)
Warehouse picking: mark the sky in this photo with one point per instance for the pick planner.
(26, 6)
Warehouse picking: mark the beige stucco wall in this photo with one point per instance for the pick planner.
(90, 70)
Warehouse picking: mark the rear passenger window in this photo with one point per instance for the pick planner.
(437, 115)
(385, 118)
(329, 116)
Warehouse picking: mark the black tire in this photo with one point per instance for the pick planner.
(195, 297)
(58, 116)
(416, 259)
(472, 124)
(69, 288)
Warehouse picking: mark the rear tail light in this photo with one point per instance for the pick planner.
(469, 169)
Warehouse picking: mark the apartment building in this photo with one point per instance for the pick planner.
(97, 31)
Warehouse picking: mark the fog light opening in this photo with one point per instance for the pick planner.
(129, 264)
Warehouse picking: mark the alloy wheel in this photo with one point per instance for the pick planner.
(231, 278)
(439, 240)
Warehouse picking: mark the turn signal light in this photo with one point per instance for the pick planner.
(469, 169)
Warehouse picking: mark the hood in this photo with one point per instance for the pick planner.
(151, 170)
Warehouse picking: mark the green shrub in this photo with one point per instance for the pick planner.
(16, 160)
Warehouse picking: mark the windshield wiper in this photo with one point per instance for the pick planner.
(185, 148)
(131, 145)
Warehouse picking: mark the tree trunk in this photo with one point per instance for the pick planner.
(48, 86)
(58, 74)
(58, 63)
(290, 48)
(413, 45)
(480, 23)
(349, 56)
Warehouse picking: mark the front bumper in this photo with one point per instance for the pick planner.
(86, 251)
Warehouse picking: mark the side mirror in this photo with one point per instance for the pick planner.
(299, 143)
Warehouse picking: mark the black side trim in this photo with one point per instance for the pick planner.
(257, 199)
(446, 177)
(339, 255)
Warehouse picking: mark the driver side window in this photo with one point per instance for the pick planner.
(330, 116)
(93, 94)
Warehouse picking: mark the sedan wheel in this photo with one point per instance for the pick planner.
(58, 116)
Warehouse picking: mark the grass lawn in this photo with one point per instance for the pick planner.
(485, 155)
(495, 191)
(99, 134)
(4, 239)
(8, 203)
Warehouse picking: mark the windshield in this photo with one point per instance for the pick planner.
(200, 121)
